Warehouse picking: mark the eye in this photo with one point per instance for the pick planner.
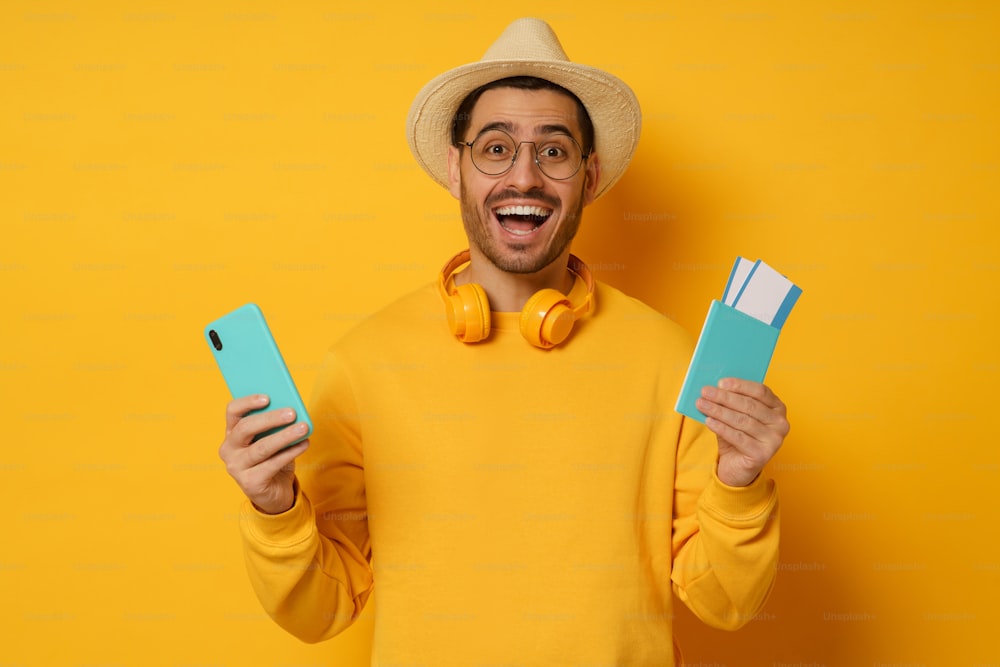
(555, 149)
(494, 148)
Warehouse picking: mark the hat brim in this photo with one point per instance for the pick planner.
(613, 108)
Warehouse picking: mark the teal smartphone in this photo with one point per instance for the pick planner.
(251, 363)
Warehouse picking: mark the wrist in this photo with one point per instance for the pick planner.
(279, 506)
(736, 478)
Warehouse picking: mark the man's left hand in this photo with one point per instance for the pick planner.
(750, 423)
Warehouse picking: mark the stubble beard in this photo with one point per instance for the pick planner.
(515, 257)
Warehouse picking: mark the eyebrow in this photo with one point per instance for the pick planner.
(508, 127)
(504, 125)
(555, 129)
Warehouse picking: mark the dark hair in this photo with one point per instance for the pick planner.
(460, 123)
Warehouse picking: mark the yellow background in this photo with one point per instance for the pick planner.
(162, 163)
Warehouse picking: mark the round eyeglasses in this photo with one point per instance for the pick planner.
(558, 155)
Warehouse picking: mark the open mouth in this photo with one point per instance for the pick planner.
(521, 220)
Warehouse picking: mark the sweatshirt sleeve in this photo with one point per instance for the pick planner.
(725, 539)
(310, 566)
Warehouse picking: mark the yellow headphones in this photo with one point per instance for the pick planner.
(547, 317)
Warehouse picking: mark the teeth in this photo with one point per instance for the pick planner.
(524, 210)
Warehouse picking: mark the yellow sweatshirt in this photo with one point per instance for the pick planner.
(509, 505)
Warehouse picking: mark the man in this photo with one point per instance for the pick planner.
(524, 494)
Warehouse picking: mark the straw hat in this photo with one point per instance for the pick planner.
(528, 47)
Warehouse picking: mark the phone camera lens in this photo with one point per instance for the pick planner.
(216, 341)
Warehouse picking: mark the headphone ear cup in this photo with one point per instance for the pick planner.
(547, 318)
(468, 312)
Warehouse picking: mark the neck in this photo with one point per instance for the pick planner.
(508, 292)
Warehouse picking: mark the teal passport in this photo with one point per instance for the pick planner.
(732, 344)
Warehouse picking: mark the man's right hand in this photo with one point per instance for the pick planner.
(264, 469)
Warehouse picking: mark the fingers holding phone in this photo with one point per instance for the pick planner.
(259, 451)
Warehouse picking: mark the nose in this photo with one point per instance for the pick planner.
(525, 174)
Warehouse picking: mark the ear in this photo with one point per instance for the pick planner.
(455, 172)
(593, 175)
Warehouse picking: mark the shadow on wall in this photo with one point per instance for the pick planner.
(664, 235)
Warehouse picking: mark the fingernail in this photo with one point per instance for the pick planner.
(708, 392)
(289, 415)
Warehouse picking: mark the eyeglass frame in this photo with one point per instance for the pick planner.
(584, 156)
